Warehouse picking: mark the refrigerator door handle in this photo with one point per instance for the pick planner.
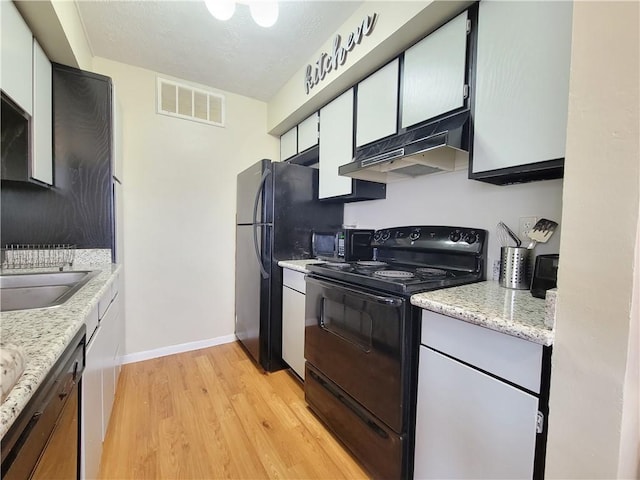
(266, 173)
(264, 273)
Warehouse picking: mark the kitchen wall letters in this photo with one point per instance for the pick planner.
(327, 62)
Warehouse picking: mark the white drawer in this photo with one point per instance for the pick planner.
(293, 279)
(513, 359)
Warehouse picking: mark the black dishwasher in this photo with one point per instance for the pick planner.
(44, 441)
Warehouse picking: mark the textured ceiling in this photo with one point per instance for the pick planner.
(181, 39)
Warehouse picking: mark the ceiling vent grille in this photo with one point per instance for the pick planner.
(189, 103)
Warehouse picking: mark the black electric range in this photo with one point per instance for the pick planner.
(362, 337)
(414, 259)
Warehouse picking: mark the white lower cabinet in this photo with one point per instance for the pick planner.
(91, 412)
(471, 424)
(99, 380)
(293, 297)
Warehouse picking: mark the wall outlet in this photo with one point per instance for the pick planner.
(526, 224)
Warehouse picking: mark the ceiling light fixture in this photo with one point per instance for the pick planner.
(221, 9)
(263, 12)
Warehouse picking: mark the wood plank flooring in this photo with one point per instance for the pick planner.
(212, 413)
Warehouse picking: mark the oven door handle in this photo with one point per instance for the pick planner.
(388, 301)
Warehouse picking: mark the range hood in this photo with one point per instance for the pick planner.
(428, 149)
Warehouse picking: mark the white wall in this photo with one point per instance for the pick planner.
(179, 212)
(593, 389)
(452, 199)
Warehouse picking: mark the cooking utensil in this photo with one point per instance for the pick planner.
(541, 232)
(503, 232)
(502, 236)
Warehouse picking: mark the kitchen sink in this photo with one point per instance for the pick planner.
(24, 291)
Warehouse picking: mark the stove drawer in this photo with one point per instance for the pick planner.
(377, 447)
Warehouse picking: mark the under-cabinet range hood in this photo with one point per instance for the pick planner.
(428, 149)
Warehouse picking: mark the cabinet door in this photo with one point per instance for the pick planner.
(119, 340)
(92, 410)
(470, 425)
(108, 325)
(522, 83)
(308, 133)
(289, 144)
(336, 145)
(16, 73)
(434, 73)
(293, 329)
(377, 105)
(42, 157)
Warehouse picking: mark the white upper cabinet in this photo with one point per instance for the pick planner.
(289, 144)
(434, 73)
(336, 145)
(308, 133)
(377, 105)
(522, 83)
(17, 68)
(42, 156)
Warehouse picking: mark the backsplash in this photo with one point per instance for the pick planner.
(452, 199)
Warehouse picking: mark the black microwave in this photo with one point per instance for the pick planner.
(346, 245)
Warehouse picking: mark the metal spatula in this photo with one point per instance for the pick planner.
(541, 231)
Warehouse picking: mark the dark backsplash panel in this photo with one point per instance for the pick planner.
(78, 208)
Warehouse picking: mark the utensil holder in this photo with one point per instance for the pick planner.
(515, 268)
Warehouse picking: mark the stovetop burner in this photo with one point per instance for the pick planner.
(338, 264)
(431, 272)
(393, 274)
(370, 263)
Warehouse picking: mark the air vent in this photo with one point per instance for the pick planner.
(189, 103)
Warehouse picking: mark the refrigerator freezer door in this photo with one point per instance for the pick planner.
(251, 186)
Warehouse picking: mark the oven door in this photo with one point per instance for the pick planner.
(356, 339)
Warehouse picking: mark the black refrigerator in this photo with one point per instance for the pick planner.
(277, 209)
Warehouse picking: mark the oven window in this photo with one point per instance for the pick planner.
(349, 320)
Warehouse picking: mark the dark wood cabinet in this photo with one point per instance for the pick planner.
(78, 210)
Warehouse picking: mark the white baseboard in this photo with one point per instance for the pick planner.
(183, 347)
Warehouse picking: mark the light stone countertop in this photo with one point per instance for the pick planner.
(298, 265)
(514, 312)
(44, 334)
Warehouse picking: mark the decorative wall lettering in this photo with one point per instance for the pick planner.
(327, 62)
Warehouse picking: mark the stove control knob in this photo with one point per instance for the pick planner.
(470, 238)
(414, 235)
(455, 236)
(385, 235)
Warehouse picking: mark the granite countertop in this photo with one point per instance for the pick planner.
(298, 265)
(514, 312)
(43, 334)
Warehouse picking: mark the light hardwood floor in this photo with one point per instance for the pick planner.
(212, 414)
